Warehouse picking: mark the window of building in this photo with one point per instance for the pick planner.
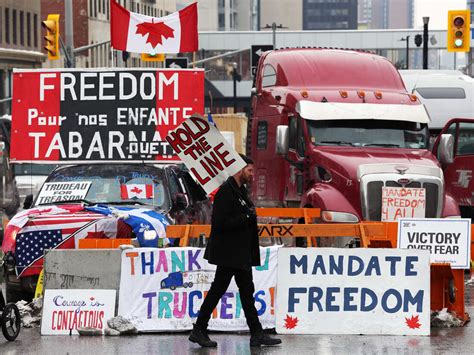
(35, 30)
(262, 134)
(269, 76)
(28, 29)
(14, 23)
(99, 6)
(22, 28)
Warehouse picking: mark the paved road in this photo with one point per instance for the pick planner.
(442, 341)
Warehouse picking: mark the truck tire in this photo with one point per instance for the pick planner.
(173, 287)
(190, 284)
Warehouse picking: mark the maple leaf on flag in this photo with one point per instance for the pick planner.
(156, 31)
(413, 322)
(290, 322)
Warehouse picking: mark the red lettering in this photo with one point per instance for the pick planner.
(204, 144)
(53, 327)
(214, 163)
(201, 180)
(100, 325)
(223, 154)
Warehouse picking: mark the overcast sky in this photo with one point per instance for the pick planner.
(437, 10)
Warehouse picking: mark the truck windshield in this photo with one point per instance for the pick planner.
(369, 133)
(116, 184)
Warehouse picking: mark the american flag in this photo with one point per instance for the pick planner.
(35, 237)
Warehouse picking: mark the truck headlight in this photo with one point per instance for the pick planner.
(339, 217)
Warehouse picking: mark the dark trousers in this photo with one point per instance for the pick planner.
(244, 280)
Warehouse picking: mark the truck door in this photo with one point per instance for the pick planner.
(459, 175)
(296, 151)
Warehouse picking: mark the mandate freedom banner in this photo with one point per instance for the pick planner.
(353, 291)
(163, 289)
(447, 239)
(68, 115)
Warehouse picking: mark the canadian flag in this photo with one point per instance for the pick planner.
(139, 191)
(133, 32)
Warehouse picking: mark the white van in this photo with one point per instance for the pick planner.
(445, 93)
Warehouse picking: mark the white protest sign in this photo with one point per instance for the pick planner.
(206, 153)
(66, 310)
(403, 202)
(447, 239)
(353, 291)
(163, 289)
(63, 191)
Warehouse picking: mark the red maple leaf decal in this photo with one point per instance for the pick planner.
(155, 31)
(92, 298)
(136, 190)
(290, 322)
(413, 322)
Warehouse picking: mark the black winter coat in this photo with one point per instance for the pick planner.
(234, 236)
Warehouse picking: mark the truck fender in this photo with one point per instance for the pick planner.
(450, 207)
(327, 198)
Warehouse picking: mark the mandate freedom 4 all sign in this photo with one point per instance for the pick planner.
(108, 114)
(163, 289)
(353, 291)
(447, 239)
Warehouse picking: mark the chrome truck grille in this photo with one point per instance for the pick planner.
(372, 177)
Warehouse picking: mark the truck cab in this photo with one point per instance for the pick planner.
(337, 130)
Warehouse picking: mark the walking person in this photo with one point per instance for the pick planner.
(233, 246)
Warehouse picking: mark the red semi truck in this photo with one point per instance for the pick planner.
(337, 130)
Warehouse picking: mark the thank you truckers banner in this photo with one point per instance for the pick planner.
(353, 291)
(108, 114)
(163, 289)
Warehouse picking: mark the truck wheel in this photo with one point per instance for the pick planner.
(190, 284)
(185, 285)
(163, 285)
(173, 287)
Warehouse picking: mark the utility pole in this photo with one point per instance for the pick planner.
(407, 55)
(426, 20)
(69, 34)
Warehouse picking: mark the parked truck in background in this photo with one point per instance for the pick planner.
(449, 94)
(337, 130)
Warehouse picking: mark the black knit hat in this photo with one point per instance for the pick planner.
(246, 159)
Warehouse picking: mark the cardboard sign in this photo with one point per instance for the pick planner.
(67, 115)
(447, 239)
(206, 153)
(403, 202)
(163, 289)
(63, 191)
(66, 310)
(353, 291)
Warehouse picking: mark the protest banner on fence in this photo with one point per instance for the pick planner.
(163, 289)
(353, 291)
(447, 239)
(67, 115)
(206, 153)
(66, 310)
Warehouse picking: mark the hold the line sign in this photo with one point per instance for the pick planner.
(447, 239)
(206, 153)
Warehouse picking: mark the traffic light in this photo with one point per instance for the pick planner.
(459, 36)
(159, 57)
(52, 36)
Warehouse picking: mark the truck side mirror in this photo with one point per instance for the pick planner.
(282, 139)
(28, 202)
(446, 149)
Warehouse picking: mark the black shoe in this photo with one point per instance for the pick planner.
(200, 336)
(261, 338)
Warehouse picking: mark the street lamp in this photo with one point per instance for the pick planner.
(426, 20)
(407, 57)
(273, 27)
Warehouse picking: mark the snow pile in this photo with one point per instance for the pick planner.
(445, 319)
(30, 313)
(470, 281)
(122, 325)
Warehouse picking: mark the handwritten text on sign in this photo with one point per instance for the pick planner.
(206, 153)
(63, 191)
(66, 310)
(353, 291)
(448, 240)
(403, 202)
(163, 289)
